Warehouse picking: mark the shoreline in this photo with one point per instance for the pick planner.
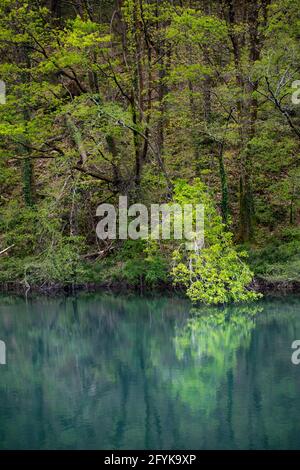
(259, 285)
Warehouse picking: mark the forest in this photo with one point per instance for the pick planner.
(162, 101)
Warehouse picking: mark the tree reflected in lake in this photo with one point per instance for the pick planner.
(209, 343)
(110, 372)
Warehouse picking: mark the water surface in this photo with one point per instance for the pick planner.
(107, 372)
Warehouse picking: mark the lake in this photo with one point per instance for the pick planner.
(100, 371)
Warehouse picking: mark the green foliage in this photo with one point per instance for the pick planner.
(94, 110)
(142, 264)
(214, 274)
(59, 264)
(278, 259)
(43, 254)
(195, 27)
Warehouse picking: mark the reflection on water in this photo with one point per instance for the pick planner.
(208, 343)
(107, 372)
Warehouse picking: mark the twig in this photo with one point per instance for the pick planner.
(6, 249)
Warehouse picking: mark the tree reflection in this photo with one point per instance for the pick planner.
(209, 344)
(109, 372)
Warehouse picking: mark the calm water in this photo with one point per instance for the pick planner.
(105, 372)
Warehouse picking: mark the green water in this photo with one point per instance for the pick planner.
(106, 372)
